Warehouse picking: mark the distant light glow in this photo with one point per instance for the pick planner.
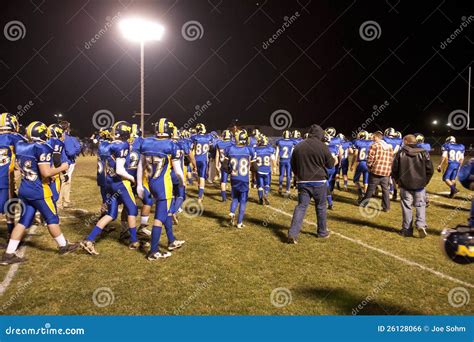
(140, 30)
(435, 122)
(448, 124)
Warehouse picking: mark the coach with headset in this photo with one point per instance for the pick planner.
(309, 162)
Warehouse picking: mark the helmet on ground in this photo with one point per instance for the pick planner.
(458, 244)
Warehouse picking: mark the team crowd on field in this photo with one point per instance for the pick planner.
(158, 169)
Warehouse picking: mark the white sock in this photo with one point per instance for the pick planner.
(12, 246)
(144, 220)
(61, 240)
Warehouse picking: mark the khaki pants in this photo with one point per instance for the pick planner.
(65, 193)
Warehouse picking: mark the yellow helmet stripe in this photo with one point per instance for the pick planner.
(161, 126)
(3, 119)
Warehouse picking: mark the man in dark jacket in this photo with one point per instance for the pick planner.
(309, 162)
(412, 170)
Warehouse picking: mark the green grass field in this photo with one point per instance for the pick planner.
(365, 267)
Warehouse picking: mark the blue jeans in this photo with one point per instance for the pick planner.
(305, 193)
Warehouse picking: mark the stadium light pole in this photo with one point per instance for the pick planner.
(141, 31)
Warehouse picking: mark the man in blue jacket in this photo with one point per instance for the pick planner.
(72, 148)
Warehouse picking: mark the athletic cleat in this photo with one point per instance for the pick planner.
(240, 225)
(134, 245)
(176, 244)
(266, 201)
(180, 210)
(345, 188)
(158, 255)
(330, 207)
(69, 248)
(260, 201)
(405, 232)
(422, 232)
(89, 247)
(232, 219)
(10, 259)
(292, 241)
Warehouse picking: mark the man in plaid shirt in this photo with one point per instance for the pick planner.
(379, 162)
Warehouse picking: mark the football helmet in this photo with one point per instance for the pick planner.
(226, 135)
(256, 132)
(262, 140)
(286, 134)
(341, 136)
(306, 135)
(136, 131)
(56, 131)
(242, 137)
(163, 128)
(363, 135)
(9, 122)
(458, 244)
(175, 133)
(398, 134)
(185, 133)
(331, 131)
(192, 131)
(327, 138)
(296, 134)
(450, 140)
(104, 133)
(420, 138)
(200, 128)
(37, 131)
(390, 132)
(121, 130)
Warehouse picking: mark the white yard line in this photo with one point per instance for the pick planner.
(14, 268)
(384, 252)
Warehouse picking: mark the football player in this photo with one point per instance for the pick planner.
(420, 139)
(359, 161)
(335, 149)
(105, 137)
(265, 157)
(283, 151)
(119, 188)
(296, 135)
(56, 141)
(343, 166)
(221, 146)
(201, 145)
(238, 160)
(159, 154)
(394, 139)
(34, 158)
(453, 155)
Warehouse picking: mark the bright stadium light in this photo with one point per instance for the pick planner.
(448, 124)
(435, 122)
(141, 31)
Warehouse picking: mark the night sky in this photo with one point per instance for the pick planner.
(320, 69)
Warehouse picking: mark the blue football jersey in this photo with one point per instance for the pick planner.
(252, 141)
(222, 146)
(29, 157)
(263, 156)
(454, 152)
(102, 154)
(183, 150)
(159, 154)
(425, 146)
(362, 146)
(297, 140)
(117, 149)
(285, 147)
(7, 159)
(135, 150)
(396, 143)
(58, 147)
(346, 145)
(334, 150)
(201, 145)
(240, 158)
